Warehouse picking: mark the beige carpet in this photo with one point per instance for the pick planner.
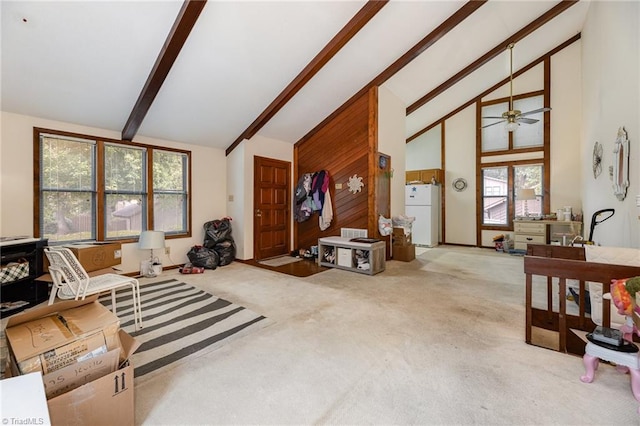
(439, 340)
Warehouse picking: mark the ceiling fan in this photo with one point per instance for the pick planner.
(514, 117)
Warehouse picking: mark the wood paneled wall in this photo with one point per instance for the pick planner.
(344, 146)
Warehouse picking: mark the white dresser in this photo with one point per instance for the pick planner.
(529, 232)
(543, 231)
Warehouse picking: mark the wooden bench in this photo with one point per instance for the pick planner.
(564, 263)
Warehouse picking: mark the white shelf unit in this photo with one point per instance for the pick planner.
(342, 253)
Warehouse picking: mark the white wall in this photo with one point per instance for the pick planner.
(240, 186)
(566, 113)
(391, 141)
(208, 184)
(460, 162)
(237, 200)
(611, 99)
(425, 151)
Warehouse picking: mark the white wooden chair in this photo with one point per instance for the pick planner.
(71, 281)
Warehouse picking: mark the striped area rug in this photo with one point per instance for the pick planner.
(180, 321)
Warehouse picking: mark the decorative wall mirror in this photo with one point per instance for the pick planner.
(621, 165)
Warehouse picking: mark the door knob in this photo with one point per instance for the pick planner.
(258, 213)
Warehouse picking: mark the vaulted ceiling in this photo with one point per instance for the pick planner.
(213, 73)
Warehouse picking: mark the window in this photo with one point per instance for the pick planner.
(529, 177)
(124, 191)
(497, 199)
(170, 191)
(511, 161)
(495, 138)
(529, 135)
(494, 201)
(67, 188)
(96, 189)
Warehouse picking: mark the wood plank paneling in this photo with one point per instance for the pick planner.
(341, 147)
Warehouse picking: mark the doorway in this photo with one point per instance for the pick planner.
(271, 207)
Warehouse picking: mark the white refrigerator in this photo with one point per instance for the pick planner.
(423, 203)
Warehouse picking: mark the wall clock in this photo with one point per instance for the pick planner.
(597, 159)
(459, 184)
(382, 162)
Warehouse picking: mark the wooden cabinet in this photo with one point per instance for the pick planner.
(342, 253)
(27, 289)
(425, 175)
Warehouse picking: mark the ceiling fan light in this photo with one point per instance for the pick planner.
(511, 126)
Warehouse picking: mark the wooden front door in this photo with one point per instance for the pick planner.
(271, 207)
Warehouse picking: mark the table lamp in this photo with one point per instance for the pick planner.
(526, 194)
(151, 240)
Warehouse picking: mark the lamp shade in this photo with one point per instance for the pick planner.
(526, 194)
(151, 240)
(511, 126)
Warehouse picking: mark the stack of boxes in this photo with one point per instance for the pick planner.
(402, 248)
(83, 357)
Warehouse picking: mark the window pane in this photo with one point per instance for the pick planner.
(67, 164)
(170, 191)
(123, 169)
(169, 213)
(494, 138)
(67, 216)
(169, 171)
(529, 176)
(495, 190)
(67, 188)
(528, 135)
(495, 210)
(124, 215)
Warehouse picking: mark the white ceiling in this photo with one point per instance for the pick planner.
(86, 62)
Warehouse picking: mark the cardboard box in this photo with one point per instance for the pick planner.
(404, 253)
(102, 394)
(94, 256)
(78, 374)
(54, 336)
(107, 400)
(400, 238)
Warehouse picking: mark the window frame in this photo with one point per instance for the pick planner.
(511, 148)
(493, 159)
(99, 175)
(510, 197)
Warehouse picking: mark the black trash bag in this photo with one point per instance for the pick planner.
(226, 251)
(203, 257)
(217, 231)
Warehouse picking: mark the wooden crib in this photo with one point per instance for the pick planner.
(559, 264)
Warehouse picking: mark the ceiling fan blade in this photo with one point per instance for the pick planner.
(493, 124)
(498, 118)
(527, 120)
(535, 111)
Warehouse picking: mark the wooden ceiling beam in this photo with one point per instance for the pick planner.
(460, 15)
(178, 35)
(500, 48)
(495, 86)
(360, 19)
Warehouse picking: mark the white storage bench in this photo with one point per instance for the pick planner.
(339, 252)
